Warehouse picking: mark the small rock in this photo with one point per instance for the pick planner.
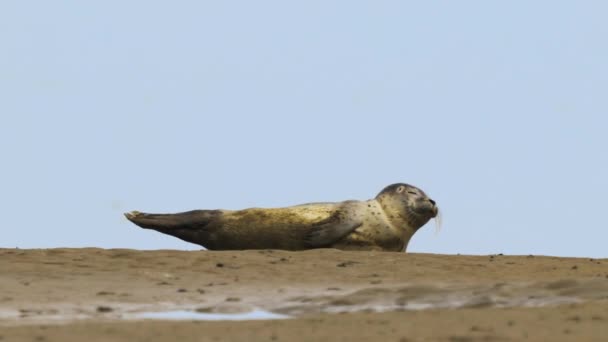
(346, 263)
(105, 293)
(574, 318)
(103, 309)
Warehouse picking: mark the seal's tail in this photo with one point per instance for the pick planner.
(188, 226)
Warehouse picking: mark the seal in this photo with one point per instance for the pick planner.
(385, 223)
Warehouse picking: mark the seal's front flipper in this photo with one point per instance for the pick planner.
(327, 232)
(189, 226)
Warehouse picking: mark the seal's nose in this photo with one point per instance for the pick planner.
(432, 202)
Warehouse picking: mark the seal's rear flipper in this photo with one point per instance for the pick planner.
(188, 226)
(194, 219)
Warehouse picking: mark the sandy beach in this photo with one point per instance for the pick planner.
(328, 295)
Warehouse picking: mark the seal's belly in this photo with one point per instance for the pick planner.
(288, 228)
(379, 237)
(268, 228)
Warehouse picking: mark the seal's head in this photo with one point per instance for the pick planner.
(409, 203)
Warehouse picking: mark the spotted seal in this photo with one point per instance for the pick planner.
(385, 223)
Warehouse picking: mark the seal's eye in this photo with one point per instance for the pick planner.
(400, 189)
(412, 192)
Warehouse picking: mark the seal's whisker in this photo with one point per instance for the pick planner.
(438, 221)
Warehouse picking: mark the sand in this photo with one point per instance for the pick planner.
(98, 295)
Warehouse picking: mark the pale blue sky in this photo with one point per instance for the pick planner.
(498, 110)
